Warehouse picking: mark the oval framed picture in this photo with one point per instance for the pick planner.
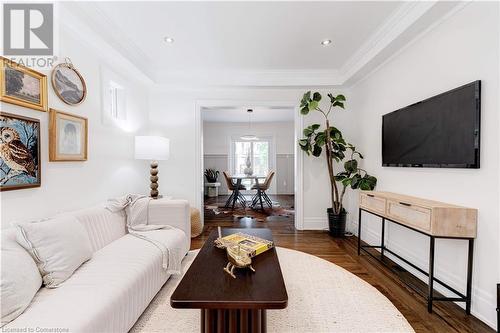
(68, 84)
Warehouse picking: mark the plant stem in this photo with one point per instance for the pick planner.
(333, 184)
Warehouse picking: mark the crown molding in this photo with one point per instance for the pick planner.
(249, 78)
(396, 30)
(99, 29)
(404, 17)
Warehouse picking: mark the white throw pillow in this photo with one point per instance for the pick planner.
(20, 278)
(59, 246)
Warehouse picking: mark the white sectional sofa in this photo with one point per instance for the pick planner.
(110, 291)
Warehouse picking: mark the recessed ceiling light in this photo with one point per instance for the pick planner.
(169, 40)
(326, 42)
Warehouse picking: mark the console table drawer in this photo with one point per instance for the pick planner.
(412, 215)
(373, 203)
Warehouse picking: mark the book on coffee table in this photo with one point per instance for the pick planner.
(252, 245)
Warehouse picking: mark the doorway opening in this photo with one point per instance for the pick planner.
(250, 165)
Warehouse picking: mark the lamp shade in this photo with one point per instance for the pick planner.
(152, 148)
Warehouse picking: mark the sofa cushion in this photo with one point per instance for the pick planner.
(106, 294)
(103, 226)
(58, 245)
(20, 277)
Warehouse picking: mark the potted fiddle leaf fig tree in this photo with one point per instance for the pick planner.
(329, 139)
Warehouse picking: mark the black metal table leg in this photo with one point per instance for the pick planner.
(469, 276)
(430, 295)
(383, 238)
(359, 233)
(236, 191)
(259, 193)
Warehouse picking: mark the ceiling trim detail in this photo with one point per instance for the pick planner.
(392, 29)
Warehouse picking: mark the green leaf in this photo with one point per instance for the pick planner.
(355, 181)
(313, 105)
(315, 126)
(340, 98)
(351, 166)
(304, 110)
(346, 181)
(317, 97)
(303, 142)
(317, 151)
(308, 131)
(307, 95)
(320, 138)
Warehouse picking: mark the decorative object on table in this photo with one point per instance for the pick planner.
(248, 170)
(237, 259)
(68, 84)
(211, 175)
(153, 148)
(19, 152)
(241, 248)
(212, 185)
(196, 225)
(22, 86)
(336, 148)
(68, 135)
(249, 136)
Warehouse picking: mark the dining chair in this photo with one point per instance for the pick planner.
(235, 194)
(261, 191)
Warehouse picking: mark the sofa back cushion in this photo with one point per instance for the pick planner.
(58, 245)
(103, 226)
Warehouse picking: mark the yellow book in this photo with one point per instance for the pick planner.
(251, 244)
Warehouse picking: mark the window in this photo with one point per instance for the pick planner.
(116, 101)
(259, 152)
(114, 98)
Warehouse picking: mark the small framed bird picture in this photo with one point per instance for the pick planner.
(19, 152)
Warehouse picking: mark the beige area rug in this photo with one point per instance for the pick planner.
(322, 297)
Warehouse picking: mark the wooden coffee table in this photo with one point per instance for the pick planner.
(228, 304)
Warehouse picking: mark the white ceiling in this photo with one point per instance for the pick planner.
(247, 35)
(236, 114)
(256, 43)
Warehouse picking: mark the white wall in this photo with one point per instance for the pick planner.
(216, 149)
(216, 135)
(463, 48)
(110, 169)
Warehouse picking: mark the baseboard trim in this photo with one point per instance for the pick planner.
(315, 223)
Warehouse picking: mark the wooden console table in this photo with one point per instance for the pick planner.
(431, 218)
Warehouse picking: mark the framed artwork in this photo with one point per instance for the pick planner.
(19, 152)
(68, 84)
(22, 86)
(67, 137)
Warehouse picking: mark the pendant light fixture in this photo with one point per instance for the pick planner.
(249, 137)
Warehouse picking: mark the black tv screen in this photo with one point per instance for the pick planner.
(441, 132)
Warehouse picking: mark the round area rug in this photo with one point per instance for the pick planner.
(322, 297)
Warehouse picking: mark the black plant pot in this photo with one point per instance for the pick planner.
(336, 222)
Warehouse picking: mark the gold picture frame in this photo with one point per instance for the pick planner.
(68, 83)
(68, 137)
(22, 86)
(20, 164)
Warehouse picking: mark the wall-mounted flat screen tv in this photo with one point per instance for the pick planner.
(440, 132)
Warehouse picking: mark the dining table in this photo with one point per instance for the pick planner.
(239, 178)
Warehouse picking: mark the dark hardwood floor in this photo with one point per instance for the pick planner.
(447, 316)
